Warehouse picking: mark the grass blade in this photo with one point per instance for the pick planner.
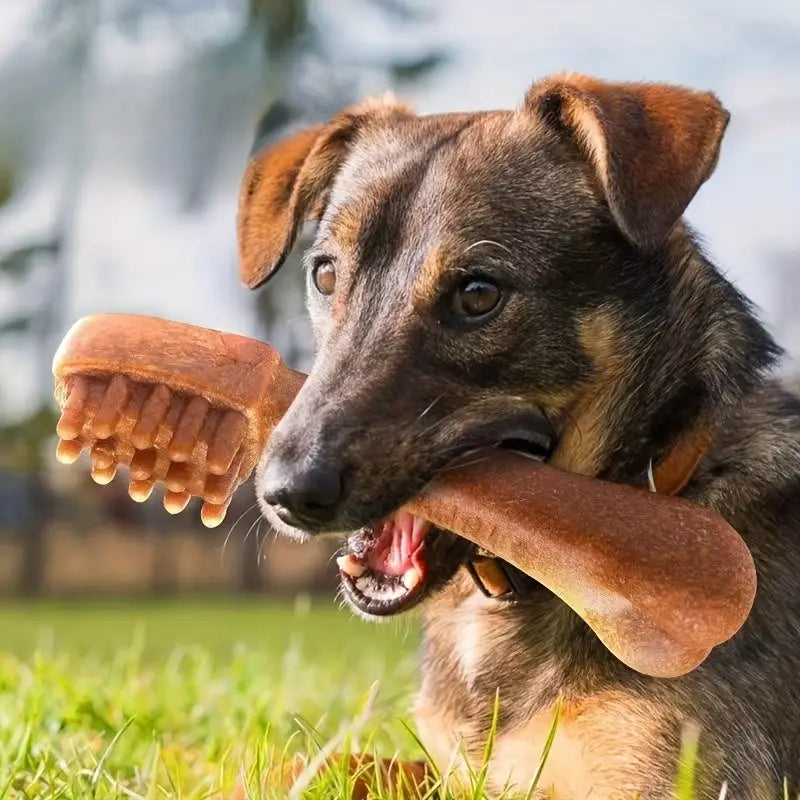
(687, 763)
(19, 759)
(548, 744)
(98, 770)
(480, 783)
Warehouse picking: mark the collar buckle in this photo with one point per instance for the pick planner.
(499, 580)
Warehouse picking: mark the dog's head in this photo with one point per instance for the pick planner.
(476, 279)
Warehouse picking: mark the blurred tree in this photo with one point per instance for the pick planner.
(37, 315)
(283, 24)
(21, 443)
(293, 60)
(21, 448)
(6, 184)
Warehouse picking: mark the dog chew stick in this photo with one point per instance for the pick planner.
(659, 579)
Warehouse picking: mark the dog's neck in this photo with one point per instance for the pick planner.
(656, 401)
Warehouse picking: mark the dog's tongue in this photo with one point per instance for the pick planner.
(396, 550)
(397, 547)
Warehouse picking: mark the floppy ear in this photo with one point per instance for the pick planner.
(651, 145)
(289, 182)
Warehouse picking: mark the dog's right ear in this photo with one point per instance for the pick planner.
(651, 146)
(289, 182)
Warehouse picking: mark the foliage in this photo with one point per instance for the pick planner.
(6, 184)
(21, 443)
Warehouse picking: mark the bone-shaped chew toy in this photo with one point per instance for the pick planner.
(659, 579)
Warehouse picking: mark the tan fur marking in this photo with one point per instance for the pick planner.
(426, 283)
(554, 402)
(345, 226)
(605, 746)
(582, 442)
(443, 737)
(676, 470)
(592, 751)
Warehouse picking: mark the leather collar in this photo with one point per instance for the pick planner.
(500, 580)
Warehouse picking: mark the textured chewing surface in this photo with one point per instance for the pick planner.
(184, 406)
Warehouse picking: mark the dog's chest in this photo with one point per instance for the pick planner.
(476, 650)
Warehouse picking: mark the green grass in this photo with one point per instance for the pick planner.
(192, 699)
(205, 699)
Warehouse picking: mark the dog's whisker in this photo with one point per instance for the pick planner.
(463, 464)
(233, 527)
(429, 407)
(436, 424)
(262, 542)
(250, 529)
(340, 551)
(487, 241)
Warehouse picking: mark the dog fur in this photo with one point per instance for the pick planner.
(618, 330)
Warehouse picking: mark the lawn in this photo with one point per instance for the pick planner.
(201, 698)
(189, 698)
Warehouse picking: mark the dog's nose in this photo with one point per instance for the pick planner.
(309, 492)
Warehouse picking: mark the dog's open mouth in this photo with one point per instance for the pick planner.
(385, 570)
(392, 566)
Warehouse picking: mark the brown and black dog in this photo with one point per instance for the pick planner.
(525, 277)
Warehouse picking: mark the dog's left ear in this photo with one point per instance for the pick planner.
(289, 182)
(651, 145)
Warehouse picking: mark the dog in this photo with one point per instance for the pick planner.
(525, 278)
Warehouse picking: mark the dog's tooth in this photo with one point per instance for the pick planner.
(351, 566)
(411, 578)
(398, 591)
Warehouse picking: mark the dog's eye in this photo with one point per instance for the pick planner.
(324, 276)
(475, 298)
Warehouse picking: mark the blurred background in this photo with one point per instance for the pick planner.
(124, 130)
